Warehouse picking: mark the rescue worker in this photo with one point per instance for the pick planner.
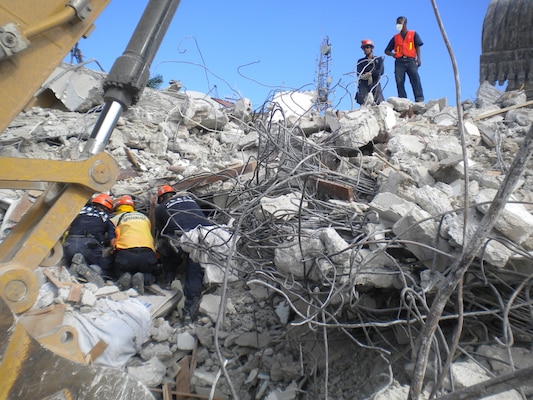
(405, 48)
(91, 234)
(369, 71)
(175, 214)
(136, 262)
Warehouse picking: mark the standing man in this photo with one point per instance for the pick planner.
(369, 71)
(405, 48)
(176, 214)
(135, 257)
(89, 235)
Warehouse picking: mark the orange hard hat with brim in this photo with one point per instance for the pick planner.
(125, 200)
(104, 200)
(164, 190)
(367, 42)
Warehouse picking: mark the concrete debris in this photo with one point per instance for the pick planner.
(185, 341)
(515, 222)
(210, 246)
(283, 207)
(395, 391)
(292, 262)
(76, 91)
(150, 373)
(468, 373)
(291, 105)
(210, 306)
(355, 129)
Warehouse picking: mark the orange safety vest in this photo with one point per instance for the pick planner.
(405, 47)
(133, 229)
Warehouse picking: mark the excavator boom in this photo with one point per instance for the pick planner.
(41, 359)
(34, 38)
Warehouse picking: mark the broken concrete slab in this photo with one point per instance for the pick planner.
(515, 222)
(493, 252)
(390, 207)
(76, 87)
(419, 227)
(468, 373)
(354, 129)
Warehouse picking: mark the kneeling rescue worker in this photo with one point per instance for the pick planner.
(175, 214)
(136, 262)
(91, 233)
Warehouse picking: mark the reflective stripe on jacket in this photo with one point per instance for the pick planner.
(133, 230)
(405, 47)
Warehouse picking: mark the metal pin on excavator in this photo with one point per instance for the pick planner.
(34, 38)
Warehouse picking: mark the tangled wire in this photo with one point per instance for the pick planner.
(329, 297)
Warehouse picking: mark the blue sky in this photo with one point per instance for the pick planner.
(236, 48)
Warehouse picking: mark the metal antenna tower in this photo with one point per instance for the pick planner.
(75, 54)
(323, 78)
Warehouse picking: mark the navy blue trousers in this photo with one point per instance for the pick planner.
(137, 259)
(409, 67)
(91, 250)
(171, 259)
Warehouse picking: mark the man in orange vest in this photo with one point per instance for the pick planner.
(405, 48)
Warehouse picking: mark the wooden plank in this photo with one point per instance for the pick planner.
(194, 396)
(503, 110)
(194, 360)
(75, 293)
(183, 378)
(95, 352)
(56, 282)
(161, 304)
(167, 391)
(131, 158)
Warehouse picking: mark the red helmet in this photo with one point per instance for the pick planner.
(164, 190)
(125, 200)
(104, 200)
(367, 42)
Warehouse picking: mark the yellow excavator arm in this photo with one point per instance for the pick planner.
(35, 36)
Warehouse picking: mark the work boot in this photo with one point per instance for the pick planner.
(124, 282)
(165, 285)
(96, 268)
(78, 258)
(137, 282)
(165, 279)
(191, 307)
(79, 267)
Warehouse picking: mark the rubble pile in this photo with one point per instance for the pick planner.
(343, 228)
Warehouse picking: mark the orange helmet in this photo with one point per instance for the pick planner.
(367, 42)
(164, 190)
(104, 200)
(125, 200)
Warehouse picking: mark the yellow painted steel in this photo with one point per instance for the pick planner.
(46, 366)
(64, 342)
(22, 74)
(64, 16)
(14, 357)
(35, 235)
